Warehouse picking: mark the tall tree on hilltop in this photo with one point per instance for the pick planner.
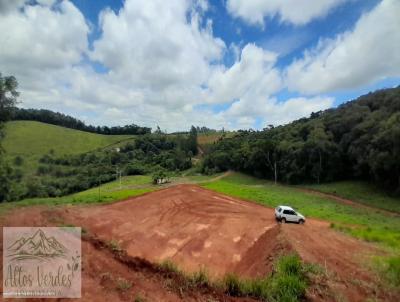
(192, 141)
(8, 96)
(8, 99)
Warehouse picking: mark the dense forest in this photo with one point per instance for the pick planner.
(60, 119)
(358, 140)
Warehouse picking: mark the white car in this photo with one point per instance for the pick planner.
(287, 214)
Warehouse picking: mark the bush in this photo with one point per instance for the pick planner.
(18, 160)
(135, 169)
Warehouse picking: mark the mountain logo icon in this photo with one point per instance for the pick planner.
(37, 247)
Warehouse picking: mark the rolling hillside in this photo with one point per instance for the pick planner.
(31, 140)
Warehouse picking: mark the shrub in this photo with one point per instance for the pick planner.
(18, 160)
(169, 266)
(139, 298)
(289, 265)
(200, 278)
(123, 284)
(114, 246)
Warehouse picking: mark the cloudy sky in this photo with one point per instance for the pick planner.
(219, 63)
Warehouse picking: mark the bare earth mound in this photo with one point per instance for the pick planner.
(196, 228)
(187, 224)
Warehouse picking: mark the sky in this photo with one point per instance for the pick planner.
(236, 64)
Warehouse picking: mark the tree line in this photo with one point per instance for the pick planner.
(358, 140)
(146, 154)
(60, 119)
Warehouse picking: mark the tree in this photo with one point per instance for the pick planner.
(318, 142)
(8, 96)
(192, 140)
(8, 99)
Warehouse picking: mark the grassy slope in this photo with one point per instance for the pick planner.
(131, 186)
(31, 140)
(360, 222)
(113, 191)
(209, 138)
(361, 192)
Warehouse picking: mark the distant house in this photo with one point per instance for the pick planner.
(162, 180)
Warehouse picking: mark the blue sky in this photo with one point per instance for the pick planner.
(221, 63)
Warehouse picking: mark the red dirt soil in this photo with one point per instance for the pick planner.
(195, 227)
(102, 270)
(189, 225)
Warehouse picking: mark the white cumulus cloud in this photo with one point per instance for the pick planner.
(164, 65)
(154, 45)
(363, 55)
(298, 12)
(252, 74)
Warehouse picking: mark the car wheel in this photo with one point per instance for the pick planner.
(301, 221)
(283, 220)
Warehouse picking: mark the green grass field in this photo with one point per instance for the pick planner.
(367, 224)
(113, 191)
(361, 192)
(31, 140)
(130, 186)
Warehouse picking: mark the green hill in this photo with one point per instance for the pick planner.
(31, 140)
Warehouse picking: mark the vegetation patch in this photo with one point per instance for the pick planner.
(139, 298)
(362, 192)
(32, 140)
(363, 223)
(182, 281)
(389, 269)
(123, 284)
(130, 186)
(114, 246)
(288, 282)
